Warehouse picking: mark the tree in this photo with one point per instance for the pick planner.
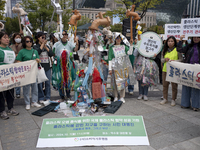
(116, 28)
(161, 23)
(12, 25)
(84, 20)
(2, 5)
(141, 5)
(157, 29)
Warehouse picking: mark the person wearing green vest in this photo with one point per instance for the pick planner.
(7, 56)
(169, 54)
(28, 53)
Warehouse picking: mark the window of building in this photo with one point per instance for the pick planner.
(147, 18)
(88, 15)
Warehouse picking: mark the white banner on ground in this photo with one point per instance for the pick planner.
(183, 73)
(93, 131)
(173, 30)
(18, 74)
(190, 27)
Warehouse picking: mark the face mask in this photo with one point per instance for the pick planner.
(18, 40)
(189, 41)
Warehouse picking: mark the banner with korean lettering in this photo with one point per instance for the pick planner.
(183, 73)
(173, 30)
(93, 131)
(18, 74)
(190, 27)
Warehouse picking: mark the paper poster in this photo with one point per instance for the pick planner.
(190, 27)
(173, 30)
(119, 50)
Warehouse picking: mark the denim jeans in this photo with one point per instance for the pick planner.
(190, 93)
(34, 93)
(17, 90)
(41, 95)
(143, 90)
(130, 88)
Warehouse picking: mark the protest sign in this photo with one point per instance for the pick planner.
(119, 50)
(183, 73)
(93, 131)
(17, 74)
(150, 44)
(173, 30)
(190, 27)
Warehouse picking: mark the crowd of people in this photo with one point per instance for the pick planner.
(55, 56)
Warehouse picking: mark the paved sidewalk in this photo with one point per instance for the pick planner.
(168, 128)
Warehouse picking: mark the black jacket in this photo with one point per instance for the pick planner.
(188, 51)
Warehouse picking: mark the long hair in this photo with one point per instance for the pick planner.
(38, 35)
(166, 44)
(192, 43)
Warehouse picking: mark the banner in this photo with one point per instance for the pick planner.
(183, 73)
(17, 74)
(173, 30)
(150, 44)
(190, 27)
(93, 131)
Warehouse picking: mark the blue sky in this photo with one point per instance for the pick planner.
(116, 20)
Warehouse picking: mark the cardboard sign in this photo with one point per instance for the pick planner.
(190, 27)
(119, 50)
(93, 131)
(96, 90)
(183, 73)
(150, 44)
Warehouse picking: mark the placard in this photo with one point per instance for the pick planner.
(150, 44)
(173, 30)
(183, 73)
(93, 131)
(190, 27)
(17, 74)
(119, 50)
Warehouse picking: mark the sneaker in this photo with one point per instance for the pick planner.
(145, 98)
(41, 101)
(115, 99)
(18, 96)
(173, 103)
(13, 112)
(4, 115)
(140, 97)
(122, 99)
(195, 109)
(131, 93)
(161, 97)
(35, 105)
(27, 107)
(164, 101)
(48, 100)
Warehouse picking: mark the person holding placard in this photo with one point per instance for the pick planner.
(192, 56)
(169, 54)
(118, 50)
(28, 53)
(7, 56)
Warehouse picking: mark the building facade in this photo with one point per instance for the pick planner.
(193, 9)
(9, 5)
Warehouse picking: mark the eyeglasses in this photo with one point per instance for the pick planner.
(28, 41)
(43, 37)
(118, 38)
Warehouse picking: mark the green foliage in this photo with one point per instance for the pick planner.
(161, 23)
(116, 28)
(141, 5)
(2, 4)
(12, 25)
(157, 29)
(84, 20)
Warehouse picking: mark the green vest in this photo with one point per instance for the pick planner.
(173, 55)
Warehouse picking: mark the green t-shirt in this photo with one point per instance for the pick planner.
(25, 55)
(2, 55)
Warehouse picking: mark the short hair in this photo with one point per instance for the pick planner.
(13, 37)
(2, 33)
(24, 41)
